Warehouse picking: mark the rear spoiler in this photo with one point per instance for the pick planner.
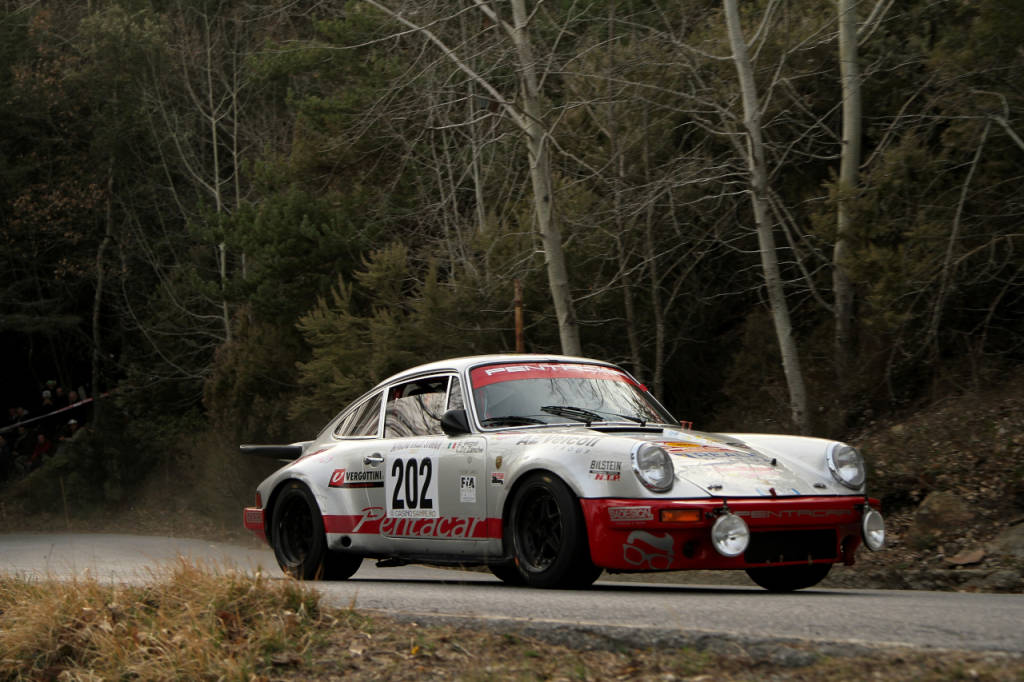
(288, 452)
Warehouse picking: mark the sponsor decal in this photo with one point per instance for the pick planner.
(701, 451)
(497, 478)
(376, 520)
(605, 469)
(411, 484)
(630, 514)
(356, 479)
(467, 488)
(432, 444)
(789, 514)
(467, 447)
(483, 376)
(578, 441)
(648, 551)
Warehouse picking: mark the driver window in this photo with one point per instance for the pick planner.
(415, 408)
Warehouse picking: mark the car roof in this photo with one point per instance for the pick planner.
(464, 363)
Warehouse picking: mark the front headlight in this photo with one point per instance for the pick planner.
(846, 465)
(653, 466)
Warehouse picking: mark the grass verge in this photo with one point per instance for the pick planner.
(199, 624)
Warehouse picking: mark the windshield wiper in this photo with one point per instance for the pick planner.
(587, 416)
(510, 420)
(572, 412)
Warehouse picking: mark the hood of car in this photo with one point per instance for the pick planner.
(726, 466)
(717, 464)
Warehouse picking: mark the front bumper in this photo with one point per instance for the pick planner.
(633, 535)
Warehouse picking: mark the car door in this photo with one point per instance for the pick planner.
(434, 493)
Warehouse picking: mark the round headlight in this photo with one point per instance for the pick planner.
(653, 466)
(873, 528)
(730, 535)
(846, 465)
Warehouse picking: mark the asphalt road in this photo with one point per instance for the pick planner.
(633, 611)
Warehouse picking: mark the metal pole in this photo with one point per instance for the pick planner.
(520, 343)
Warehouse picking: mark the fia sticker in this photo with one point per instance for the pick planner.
(467, 488)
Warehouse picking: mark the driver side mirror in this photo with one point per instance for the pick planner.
(455, 422)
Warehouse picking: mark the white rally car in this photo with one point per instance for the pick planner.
(549, 470)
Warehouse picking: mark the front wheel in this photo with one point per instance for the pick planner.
(299, 542)
(548, 536)
(789, 578)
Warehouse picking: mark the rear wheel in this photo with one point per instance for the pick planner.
(547, 535)
(299, 542)
(789, 578)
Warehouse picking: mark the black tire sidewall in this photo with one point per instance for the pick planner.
(311, 566)
(573, 557)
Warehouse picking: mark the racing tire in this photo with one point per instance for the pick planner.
(507, 572)
(789, 578)
(299, 541)
(548, 536)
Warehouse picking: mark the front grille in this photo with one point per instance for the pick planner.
(775, 547)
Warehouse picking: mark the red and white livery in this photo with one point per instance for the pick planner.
(550, 470)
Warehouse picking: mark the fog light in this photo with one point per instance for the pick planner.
(873, 529)
(730, 535)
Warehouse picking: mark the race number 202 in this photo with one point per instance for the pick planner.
(411, 484)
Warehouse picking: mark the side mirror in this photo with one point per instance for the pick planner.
(455, 422)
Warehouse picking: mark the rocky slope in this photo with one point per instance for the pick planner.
(951, 480)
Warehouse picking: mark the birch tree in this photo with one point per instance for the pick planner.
(757, 167)
(527, 114)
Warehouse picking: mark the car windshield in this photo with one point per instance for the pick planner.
(560, 393)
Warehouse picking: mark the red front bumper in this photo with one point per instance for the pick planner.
(632, 535)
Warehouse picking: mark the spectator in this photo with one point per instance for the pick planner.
(60, 398)
(42, 449)
(70, 430)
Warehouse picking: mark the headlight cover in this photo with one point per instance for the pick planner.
(653, 467)
(846, 465)
(730, 535)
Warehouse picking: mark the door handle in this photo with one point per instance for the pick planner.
(374, 459)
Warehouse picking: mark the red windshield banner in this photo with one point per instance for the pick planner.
(492, 374)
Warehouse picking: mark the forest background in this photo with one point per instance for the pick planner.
(232, 217)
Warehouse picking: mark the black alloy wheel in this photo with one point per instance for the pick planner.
(299, 541)
(547, 535)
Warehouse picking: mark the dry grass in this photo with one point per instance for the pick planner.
(192, 624)
(198, 624)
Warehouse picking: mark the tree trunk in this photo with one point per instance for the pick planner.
(529, 120)
(97, 301)
(765, 237)
(540, 177)
(848, 170)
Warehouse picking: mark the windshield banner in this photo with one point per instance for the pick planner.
(492, 374)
